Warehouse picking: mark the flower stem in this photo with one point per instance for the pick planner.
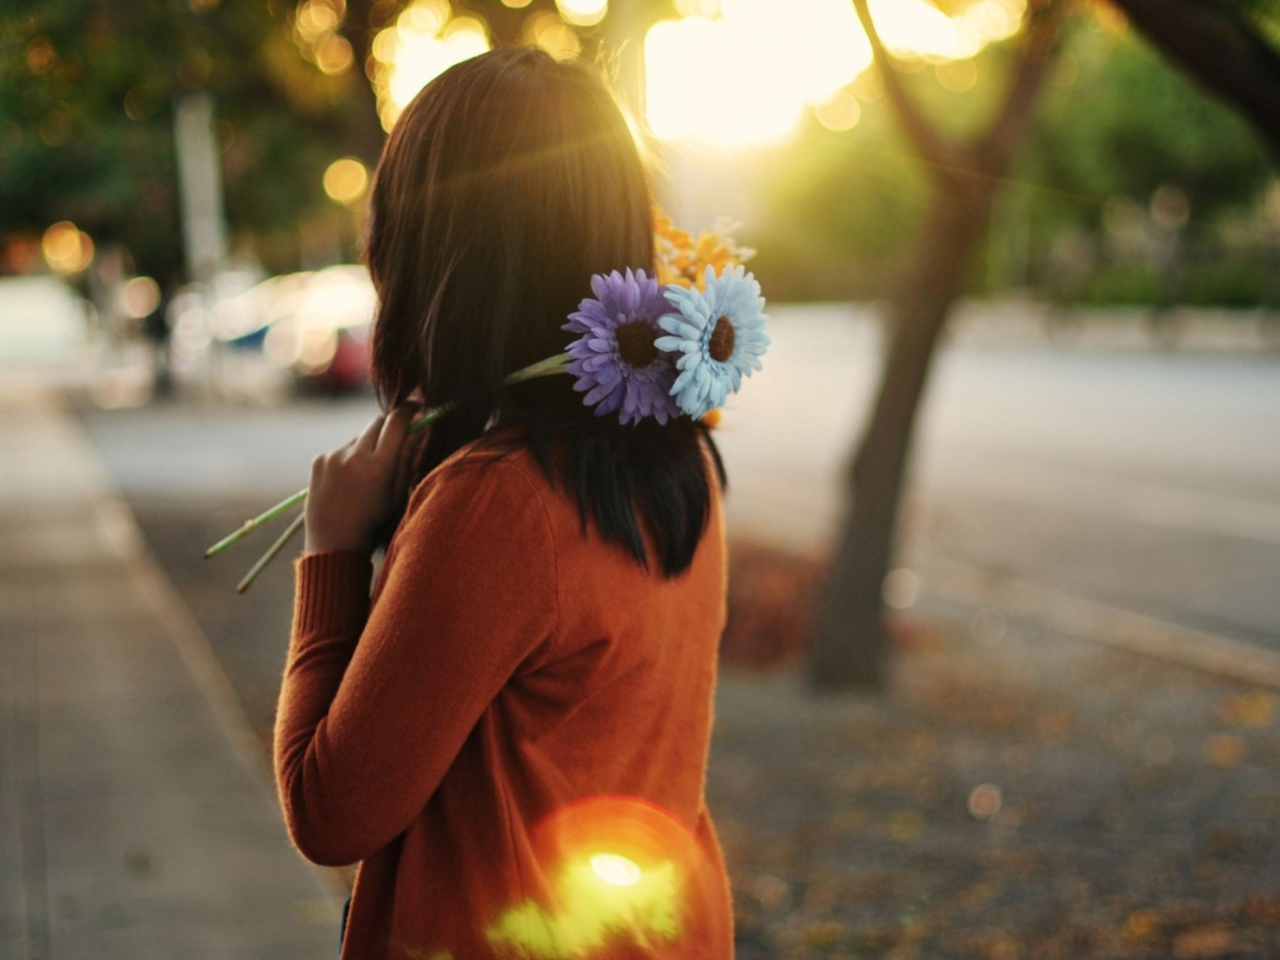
(260, 520)
(271, 554)
(542, 368)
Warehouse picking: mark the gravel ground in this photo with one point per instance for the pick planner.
(1019, 794)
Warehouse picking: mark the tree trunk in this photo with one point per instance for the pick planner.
(850, 644)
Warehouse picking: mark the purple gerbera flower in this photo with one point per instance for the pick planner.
(615, 359)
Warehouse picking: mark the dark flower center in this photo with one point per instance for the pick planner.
(635, 344)
(722, 339)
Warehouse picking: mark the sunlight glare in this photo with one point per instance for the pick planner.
(745, 77)
(425, 41)
(740, 73)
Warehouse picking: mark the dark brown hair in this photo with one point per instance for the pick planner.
(506, 183)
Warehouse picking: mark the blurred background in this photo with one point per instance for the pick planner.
(1004, 643)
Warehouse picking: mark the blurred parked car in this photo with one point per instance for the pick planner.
(314, 325)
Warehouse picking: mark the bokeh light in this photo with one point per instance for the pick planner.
(957, 76)
(138, 297)
(334, 57)
(840, 112)
(346, 180)
(425, 40)
(315, 28)
(315, 18)
(67, 249)
(985, 801)
(740, 73)
(901, 588)
(548, 31)
(583, 13)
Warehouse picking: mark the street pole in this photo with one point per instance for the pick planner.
(200, 202)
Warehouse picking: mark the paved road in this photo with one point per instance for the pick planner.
(1144, 479)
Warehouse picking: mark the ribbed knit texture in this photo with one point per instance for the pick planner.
(332, 596)
(512, 738)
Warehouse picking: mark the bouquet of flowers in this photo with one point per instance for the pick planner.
(674, 344)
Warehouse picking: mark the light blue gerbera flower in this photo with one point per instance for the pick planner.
(719, 334)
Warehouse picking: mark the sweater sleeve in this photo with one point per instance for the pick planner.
(370, 720)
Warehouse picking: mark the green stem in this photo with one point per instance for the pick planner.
(271, 554)
(260, 520)
(542, 368)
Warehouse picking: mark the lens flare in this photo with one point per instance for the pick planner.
(625, 872)
(616, 869)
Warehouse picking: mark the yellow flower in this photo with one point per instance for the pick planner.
(682, 262)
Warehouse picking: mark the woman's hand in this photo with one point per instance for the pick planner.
(352, 493)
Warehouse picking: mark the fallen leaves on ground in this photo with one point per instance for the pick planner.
(1020, 795)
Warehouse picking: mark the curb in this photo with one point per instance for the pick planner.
(1103, 623)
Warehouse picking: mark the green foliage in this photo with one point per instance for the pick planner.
(840, 211)
(86, 117)
(1116, 121)
(1119, 121)
(1224, 282)
(1117, 124)
(843, 207)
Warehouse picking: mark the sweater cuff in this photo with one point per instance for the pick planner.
(332, 595)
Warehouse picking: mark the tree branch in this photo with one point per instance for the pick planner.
(1221, 50)
(995, 150)
(933, 146)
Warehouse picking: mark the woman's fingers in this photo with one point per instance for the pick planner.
(367, 442)
(353, 488)
(395, 427)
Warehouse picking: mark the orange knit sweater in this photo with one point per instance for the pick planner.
(511, 736)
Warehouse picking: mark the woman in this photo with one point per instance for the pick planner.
(511, 736)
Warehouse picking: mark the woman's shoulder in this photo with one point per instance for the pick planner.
(491, 469)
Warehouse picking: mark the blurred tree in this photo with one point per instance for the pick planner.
(1123, 124)
(1223, 44)
(87, 89)
(840, 208)
(1119, 132)
(964, 175)
(1228, 45)
(1117, 121)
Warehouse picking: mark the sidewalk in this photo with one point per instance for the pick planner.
(135, 820)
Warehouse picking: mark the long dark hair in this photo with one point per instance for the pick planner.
(507, 182)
